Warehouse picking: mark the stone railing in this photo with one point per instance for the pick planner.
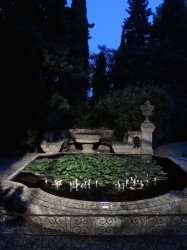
(129, 224)
(78, 232)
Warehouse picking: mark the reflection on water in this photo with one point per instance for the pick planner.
(93, 193)
(130, 190)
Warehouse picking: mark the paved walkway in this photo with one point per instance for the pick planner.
(173, 149)
(11, 165)
(180, 161)
(177, 152)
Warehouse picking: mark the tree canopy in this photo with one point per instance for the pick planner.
(46, 70)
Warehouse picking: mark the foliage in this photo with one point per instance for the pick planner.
(44, 70)
(173, 22)
(54, 112)
(136, 27)
(132, 57)
(121, 110)
(169, 41)
(101, 70)
(100, 82)
(44, 50)
(30, 140)
(159, 63)
(104, 168)
(163, 56)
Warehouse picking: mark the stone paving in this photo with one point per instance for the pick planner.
(11, 165)
(172, 149)
(180, 161)
(177, 152)
(58, 242)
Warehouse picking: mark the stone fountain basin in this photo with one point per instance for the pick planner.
(38, 201)
(102, 218)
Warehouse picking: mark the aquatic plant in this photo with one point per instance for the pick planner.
(103, 168)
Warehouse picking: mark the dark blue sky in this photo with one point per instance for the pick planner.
(108, 17)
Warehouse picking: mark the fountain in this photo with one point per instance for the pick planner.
(55, 196)
(52, 191)
(132, 193)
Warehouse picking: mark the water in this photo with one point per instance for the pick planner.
(177, 180)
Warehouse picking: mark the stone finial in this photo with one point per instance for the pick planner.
(147, 109)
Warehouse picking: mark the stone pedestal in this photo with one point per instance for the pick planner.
(87, 148)
(147, 129)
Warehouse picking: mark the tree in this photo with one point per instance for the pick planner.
(121, 111)
(44, 50)
(79, 53)
(155, 28)
(136, 28)
(20, 25)
(173, 25)
(169, 41)
(134, 41)
(100, 82)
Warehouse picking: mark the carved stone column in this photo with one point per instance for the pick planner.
(147, 128)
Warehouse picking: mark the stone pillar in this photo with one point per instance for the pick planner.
(147, 128)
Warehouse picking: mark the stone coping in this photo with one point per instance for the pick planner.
(37, 201)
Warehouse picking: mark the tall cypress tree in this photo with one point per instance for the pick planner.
(169, 41)
(135, 37)
(79, 53)
(136, 28)
(100, 82)
(20, 25)
(155, 28)
(173, 26)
